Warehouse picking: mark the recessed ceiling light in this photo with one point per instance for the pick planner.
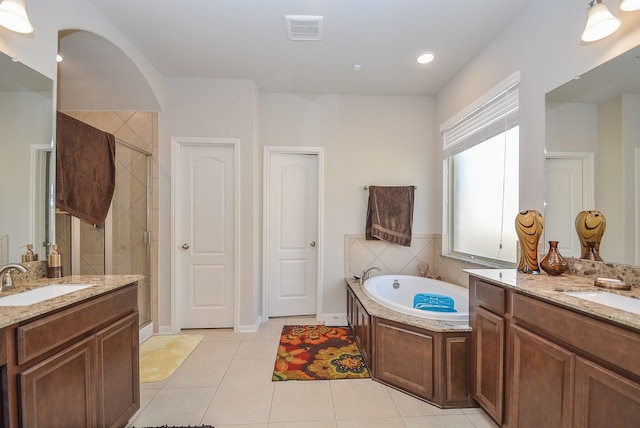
(356, 68)
(59, 57)
(425, 58)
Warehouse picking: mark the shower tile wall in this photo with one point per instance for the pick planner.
(395, 259)
(139, 129)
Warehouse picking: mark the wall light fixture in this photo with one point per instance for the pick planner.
(630, 5)
(13, 15)
(600, 22)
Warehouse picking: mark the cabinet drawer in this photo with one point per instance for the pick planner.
(583, 334)
(491, 297)
(45, 334)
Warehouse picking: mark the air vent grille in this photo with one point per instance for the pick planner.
(304, 27)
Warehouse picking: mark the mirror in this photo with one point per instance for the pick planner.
(593, 157)
(26, 173)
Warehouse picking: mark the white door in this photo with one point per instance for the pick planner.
(205, 235)
(293, 234)
(568, 191)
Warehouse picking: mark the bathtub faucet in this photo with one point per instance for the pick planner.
(367, 273)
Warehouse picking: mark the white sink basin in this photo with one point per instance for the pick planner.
(617, 301)
(41, 294)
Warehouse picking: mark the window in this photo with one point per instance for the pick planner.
(481, 178)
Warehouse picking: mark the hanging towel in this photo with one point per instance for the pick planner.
(390, 214)
(85, 169)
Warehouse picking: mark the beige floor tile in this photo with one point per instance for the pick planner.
(153, 385)
(444, 421)
(410, 406)
(244, 426)
(249, 372)
(257, 349)
(302, 401)
(240, 405)
(198, 373)
(303, 424)
(362, 399)
(372, 423)
(266, 332)
(176, 406)
(224, 334)
(482, 420)
(146, 396)
(302, 321)
(215, 350)
(275, 321)
(472, 410)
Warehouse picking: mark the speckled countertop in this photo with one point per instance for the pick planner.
(550, 288)
(103, 284)
(377, 310)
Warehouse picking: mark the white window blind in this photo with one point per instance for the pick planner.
(492, 118)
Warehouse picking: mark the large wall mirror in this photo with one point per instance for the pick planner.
(26, 172)
(593, 157)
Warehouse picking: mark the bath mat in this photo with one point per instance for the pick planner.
(160, 356)
(318, 352)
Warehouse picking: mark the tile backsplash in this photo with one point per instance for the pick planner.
(361, 254)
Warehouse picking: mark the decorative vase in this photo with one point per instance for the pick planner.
(553, 263)
(529, 225)
(592, 252)
(590, 226)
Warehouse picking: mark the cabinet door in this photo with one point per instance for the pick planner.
(541, 382)
(350, 302)
(118, 372)
(604, 399)
(362, 330)
(405, 358)
(488, 358)
(60, 391)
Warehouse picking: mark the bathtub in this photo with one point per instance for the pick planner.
(439, 300)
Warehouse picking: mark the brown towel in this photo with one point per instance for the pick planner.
(390, 214)
(85, 169)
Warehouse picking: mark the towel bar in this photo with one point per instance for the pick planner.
(367, 187)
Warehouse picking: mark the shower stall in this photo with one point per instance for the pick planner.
(122, 246)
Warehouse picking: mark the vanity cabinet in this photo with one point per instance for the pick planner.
(487, 308)
(561, 368)
(360, 322)
(77, 367)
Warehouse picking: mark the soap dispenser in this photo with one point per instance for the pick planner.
(55, 263)
(29, 256)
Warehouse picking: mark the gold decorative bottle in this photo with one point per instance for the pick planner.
(55, 263)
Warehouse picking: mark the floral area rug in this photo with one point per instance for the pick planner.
(317, 352)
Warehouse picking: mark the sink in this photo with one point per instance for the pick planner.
(41, 294)
(617, 301)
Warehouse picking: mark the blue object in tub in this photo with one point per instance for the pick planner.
(433, 302)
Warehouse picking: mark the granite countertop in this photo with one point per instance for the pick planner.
(103, 284)
(550, 288)
(377, 310)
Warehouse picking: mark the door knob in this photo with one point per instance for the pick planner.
(185, 246)
(313, 243)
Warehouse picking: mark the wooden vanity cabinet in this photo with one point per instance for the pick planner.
(77, 367)
(561, 368)
(360, 322)
(487, 309)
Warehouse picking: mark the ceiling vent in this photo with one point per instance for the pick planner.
(304, 27)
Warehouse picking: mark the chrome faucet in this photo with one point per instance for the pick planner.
(367, 273)
(5, 274)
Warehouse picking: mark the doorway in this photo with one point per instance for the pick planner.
(292, 212)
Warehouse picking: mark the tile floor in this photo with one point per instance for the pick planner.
(226, 382)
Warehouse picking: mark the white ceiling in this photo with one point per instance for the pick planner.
(247, 39)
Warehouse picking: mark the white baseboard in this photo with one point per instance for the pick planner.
(334, 320)
(165, 329)
(145, 332)
(248, 328)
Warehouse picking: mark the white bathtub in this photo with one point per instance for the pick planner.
(451, 301)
